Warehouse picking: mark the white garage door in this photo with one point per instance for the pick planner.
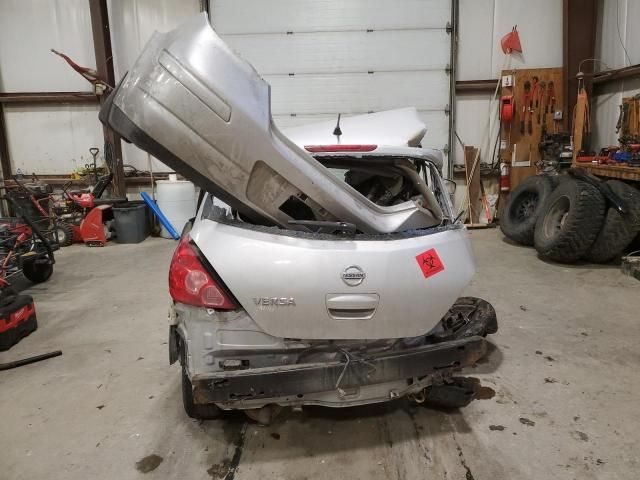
(324, 57)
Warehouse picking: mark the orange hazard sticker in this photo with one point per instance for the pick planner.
(430, 263)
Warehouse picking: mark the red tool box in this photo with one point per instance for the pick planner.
(17, 319)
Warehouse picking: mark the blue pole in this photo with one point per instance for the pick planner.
(163, 220)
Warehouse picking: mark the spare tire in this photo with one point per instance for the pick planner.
(618, 230)
(570, 221)
(523, 207)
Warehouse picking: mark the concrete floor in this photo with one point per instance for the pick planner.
(565, 375)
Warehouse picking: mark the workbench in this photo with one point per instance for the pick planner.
(622, 172)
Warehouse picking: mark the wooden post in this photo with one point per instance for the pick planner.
(104, 67)
(578, 125)
(5, 160)
(579, 43)
(473, 183)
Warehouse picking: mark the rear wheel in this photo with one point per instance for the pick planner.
(37, 272)
(193, 410)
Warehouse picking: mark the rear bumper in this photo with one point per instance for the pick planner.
(291, 383)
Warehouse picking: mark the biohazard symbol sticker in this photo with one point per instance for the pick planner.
(430, 263)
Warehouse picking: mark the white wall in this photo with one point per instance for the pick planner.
(612, 34)
(55, 139)
(49, 139)
(325, 57)
(482, 23)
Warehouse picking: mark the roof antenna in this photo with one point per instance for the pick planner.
(336, 131)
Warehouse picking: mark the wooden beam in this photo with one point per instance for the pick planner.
(48, 97)
(104, 67)
(476, 86)
(609, 76)
(58, 180)
(579, 19)
(623, 172)
(5, 160)
(473, 183)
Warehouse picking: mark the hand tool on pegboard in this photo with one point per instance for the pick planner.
(532, 93)
(542, 87)
(534, 89)
(526, 100)
(545, 108)
(551, 103)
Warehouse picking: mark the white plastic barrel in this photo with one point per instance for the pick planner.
(177, 200)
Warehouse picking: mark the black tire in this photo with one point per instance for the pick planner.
(65, 234)
(456, 394)
(618, 230)
(37, 272)
(193, 410)
(523, 207)
(570, 221)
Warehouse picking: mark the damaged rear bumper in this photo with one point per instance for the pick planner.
(353, 381)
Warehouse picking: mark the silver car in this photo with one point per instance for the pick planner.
(322, 268)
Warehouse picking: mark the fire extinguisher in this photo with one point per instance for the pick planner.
(505, 179)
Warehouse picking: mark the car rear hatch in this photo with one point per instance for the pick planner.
(319, 286)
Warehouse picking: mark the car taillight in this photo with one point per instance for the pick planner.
(339, 148)
(190, 283)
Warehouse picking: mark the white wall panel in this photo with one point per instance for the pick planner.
(52, 139)
(484, 22)
(334, 52)
(134, 21)
(324, 57)
(475, 39)
(358, 93)
(278, 16)
(29, 29)
(472, 115)
(617, 26)
(612, 31)
(632, 32)
(540, 28)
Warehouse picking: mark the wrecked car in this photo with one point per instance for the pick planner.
(322, 267)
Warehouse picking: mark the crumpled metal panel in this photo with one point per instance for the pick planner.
(198, 107)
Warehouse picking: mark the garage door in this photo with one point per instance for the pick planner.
(324, 57)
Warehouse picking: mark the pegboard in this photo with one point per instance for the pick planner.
(520, 149)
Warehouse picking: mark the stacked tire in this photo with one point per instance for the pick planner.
(567, 219)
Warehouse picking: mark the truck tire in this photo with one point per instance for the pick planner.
(618, 230)
(193, 410)
(523, 208)
(569, 222)
(37, 272)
